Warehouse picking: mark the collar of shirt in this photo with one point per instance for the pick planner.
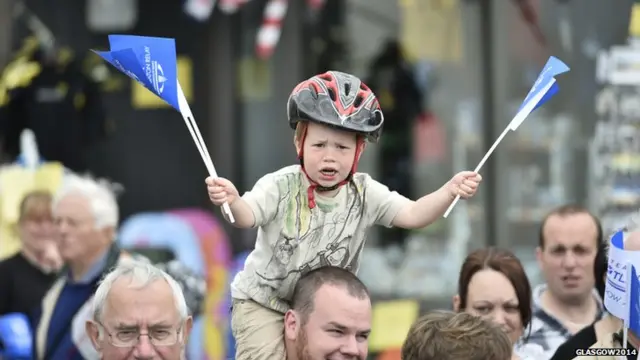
(539, 290)
(93, 272)
(546, 330)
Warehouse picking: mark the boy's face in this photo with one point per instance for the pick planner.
(328, 154)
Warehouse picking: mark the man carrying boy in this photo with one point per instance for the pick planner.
(316, 213)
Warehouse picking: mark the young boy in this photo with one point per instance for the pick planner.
(316, 213)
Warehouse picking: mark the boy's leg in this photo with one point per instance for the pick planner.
(259, 331)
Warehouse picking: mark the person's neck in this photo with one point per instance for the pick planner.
(29, 253)
(330, 193)
(79, 268)
(290, 350)
(572, 316)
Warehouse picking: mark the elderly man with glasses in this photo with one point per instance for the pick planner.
(139, 312)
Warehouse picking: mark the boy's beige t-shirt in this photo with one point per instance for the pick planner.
(293, 239)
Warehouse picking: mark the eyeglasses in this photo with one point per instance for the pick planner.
(131, 338)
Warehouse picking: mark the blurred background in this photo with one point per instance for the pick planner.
(450, 75)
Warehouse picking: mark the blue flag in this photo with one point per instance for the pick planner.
(553, 67)
(542, 90)
(151, 61)
(634, 302)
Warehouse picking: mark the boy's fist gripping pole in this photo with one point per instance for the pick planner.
(222, 191)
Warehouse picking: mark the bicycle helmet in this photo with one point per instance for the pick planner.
(337, 99)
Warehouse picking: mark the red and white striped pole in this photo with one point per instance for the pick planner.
(271, 28)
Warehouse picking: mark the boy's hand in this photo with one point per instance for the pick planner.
(464, 183)
(221, 190)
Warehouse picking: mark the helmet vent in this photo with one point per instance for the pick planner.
(332, 93)
(358, 101)
(347, 89)
(314, 90)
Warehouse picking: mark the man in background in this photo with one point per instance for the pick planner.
(392, 79)
(567, 302)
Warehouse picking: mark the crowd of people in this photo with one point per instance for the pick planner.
(298, 296)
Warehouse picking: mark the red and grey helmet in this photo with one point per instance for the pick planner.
(337, 99)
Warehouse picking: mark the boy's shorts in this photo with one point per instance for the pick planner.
(258, 331)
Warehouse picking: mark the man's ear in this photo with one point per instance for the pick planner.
(93, 332)
(188, 325)
(456, 303)
(291, 325)
(109, 233)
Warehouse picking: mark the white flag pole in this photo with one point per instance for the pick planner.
(513, 125)
(185, 110)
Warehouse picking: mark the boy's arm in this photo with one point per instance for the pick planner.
(242, 213)
(258, 206)
(429, 208)
(388, 208)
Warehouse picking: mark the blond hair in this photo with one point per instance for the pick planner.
(35, 205)
(301, 130)
(445, 335)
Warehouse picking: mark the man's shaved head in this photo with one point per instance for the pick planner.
(306, 288)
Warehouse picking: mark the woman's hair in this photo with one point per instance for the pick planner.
(504, 262)
(35, 205)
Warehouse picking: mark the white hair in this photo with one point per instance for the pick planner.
(100, 193)
(141, 275)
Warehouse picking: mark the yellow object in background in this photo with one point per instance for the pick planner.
(391, 322)
(254, 79)
(15, 182)
(142, 98)
(432, 30)
(634, 23)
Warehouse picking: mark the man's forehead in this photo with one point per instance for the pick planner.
(156, 289)
(127, 296)
(335, 304)
(570, 230)
(578, 220)
(74, 202)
